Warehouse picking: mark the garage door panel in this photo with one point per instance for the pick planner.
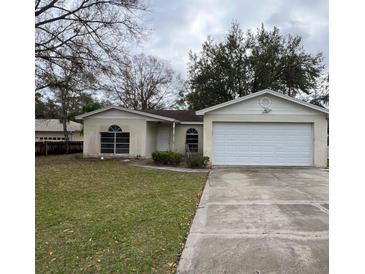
(262, 144)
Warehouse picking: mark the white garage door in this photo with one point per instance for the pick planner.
(272, 144)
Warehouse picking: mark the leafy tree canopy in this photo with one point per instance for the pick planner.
(248, 62)
(320, 96)
(48, 108)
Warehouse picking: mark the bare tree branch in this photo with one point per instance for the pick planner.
(91, 31)
(44, 8)
(144, 82)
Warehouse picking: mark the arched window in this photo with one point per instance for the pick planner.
(114, 128)
(192, 140)
(114, 141)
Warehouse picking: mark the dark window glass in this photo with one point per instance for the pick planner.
(107, 146)
(193, 147)
(107, 150)
(107, 134)
(122, 148)
(122, 138)
(192, 140)
(114, 128)
(115, 142)
(107, 140)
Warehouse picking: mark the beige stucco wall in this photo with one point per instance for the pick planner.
(76, 136)
(143, 135)
(151, 132)
(93, 126)
(180, 136)
(319, 122)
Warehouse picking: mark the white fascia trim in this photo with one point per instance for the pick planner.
(53, 131)
(253, 95)
(82, 116)
(191, 123)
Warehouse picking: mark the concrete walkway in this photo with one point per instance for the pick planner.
(260, 220)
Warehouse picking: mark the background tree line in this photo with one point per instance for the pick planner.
(82, 49)
(245, 63)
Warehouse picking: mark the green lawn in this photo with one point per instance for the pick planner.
(96, 216)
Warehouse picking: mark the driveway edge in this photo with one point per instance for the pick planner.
(198, 219)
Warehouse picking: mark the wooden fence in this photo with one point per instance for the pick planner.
(47, 148)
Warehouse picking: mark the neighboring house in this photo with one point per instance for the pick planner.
(52, 130)
(264, 128)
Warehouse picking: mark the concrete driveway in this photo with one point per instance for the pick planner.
(260, 220)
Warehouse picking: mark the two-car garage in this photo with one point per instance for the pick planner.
(269, 144)
(266, 128)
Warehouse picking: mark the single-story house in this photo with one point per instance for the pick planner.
(263, 128)
(52, 130)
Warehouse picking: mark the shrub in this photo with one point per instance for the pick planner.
(197, 161)
(167, 157)
(175, 158)
(160, 157)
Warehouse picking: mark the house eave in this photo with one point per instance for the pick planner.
(88, 114)
(259, 93)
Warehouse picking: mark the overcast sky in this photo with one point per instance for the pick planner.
(178, 26)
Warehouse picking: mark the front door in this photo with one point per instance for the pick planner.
(163, 138)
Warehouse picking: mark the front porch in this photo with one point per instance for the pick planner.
(173, 136)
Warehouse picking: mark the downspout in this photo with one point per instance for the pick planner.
(173, 135)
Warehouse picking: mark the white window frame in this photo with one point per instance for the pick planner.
(115, 129)
(192, 132)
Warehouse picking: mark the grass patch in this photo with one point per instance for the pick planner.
(107, 217)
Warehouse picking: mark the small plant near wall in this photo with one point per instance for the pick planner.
(197, 161)
(167, 157)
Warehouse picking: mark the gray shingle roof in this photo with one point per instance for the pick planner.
(181, 115)
(55, 125)
(166, 114)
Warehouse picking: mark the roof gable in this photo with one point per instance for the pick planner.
(277, 106)
(250, 104)
(120, 112)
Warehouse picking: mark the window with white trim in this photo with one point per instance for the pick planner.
(114, 141)
(192, 140)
